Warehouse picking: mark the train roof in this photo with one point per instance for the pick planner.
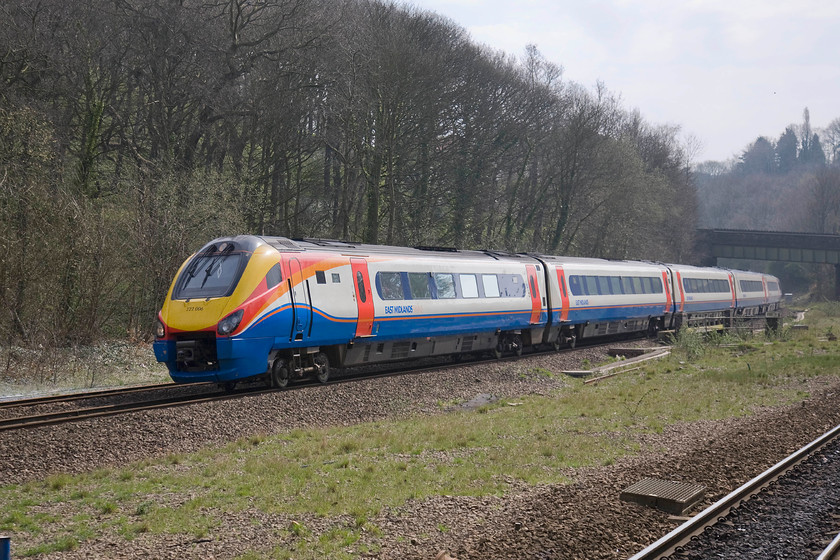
(592, 261)
(289, 245)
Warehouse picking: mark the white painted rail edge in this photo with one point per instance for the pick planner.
(733, 498)
(831, 549)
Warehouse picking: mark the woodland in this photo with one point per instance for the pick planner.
(134, 131)
(790, 183)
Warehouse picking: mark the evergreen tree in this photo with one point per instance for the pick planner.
(760, 157)
(813, 154)
(786, 150)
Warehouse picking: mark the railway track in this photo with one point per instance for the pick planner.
(789, 511)
(65, 415)
(70, 397)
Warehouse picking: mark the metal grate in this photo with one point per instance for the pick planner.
(400, 350)
(674, 497)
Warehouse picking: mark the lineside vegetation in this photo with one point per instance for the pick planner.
(131, 132)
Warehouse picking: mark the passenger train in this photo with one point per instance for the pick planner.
(251, 307)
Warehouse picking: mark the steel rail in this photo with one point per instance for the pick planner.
(832, 550)
(69, 397)
(670, 542)
(78, 414)
(61, 417)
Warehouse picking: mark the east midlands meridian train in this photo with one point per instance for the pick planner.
(250, 307)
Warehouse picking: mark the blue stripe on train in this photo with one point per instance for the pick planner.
(613, 313)
(699, 306)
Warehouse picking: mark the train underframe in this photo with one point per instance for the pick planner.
(197, 354)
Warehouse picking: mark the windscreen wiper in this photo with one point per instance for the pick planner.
(193, 268)
(216, 260)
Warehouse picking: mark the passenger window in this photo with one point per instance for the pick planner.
(637, 285)
(657, 285)
(360, 284)
(321, 276)
(336, 278)
(491, 285)
(390, 285)
(591, 285)
(445, 284)
(627, 284)
(603, 285)
(615, 285)
(511, 285)
(274, 276)
(469, 285)
(418, 283)
(575, 285)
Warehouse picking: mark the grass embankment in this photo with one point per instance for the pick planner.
(350, 474)
(33, 371)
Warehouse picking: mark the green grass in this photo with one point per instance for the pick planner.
(349, 474)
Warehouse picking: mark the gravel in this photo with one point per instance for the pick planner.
(583, 519)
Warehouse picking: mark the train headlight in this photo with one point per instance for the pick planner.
(160, 329)
(229, 323)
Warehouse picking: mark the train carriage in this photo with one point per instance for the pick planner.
(248, 306)
(774, 292)
(597, 297)
(702, 296)
(750, 293)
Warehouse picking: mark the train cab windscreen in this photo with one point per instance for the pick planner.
(211, 274)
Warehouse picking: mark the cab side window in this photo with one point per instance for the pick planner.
(274, 276)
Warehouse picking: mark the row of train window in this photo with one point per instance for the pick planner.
(444, 285)
(614, 285)
(752, 286)
(706, 286)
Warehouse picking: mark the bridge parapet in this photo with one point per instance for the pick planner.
(769, 245)
(817, 248)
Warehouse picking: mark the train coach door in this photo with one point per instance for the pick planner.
(732, 288)
(364, 297)
(668, 299)
(301, 304)
(536, 304)
(564, 295)
(679, 283)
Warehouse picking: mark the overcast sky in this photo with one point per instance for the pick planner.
(725, 71)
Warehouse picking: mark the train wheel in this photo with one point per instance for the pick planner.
(497, 351)
(556, 344)
(322, 365)
(230, 386)
(516, 345)
(279, 374)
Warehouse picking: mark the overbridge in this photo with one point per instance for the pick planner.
(816, 248)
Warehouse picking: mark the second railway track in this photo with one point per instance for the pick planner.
(789, 511)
